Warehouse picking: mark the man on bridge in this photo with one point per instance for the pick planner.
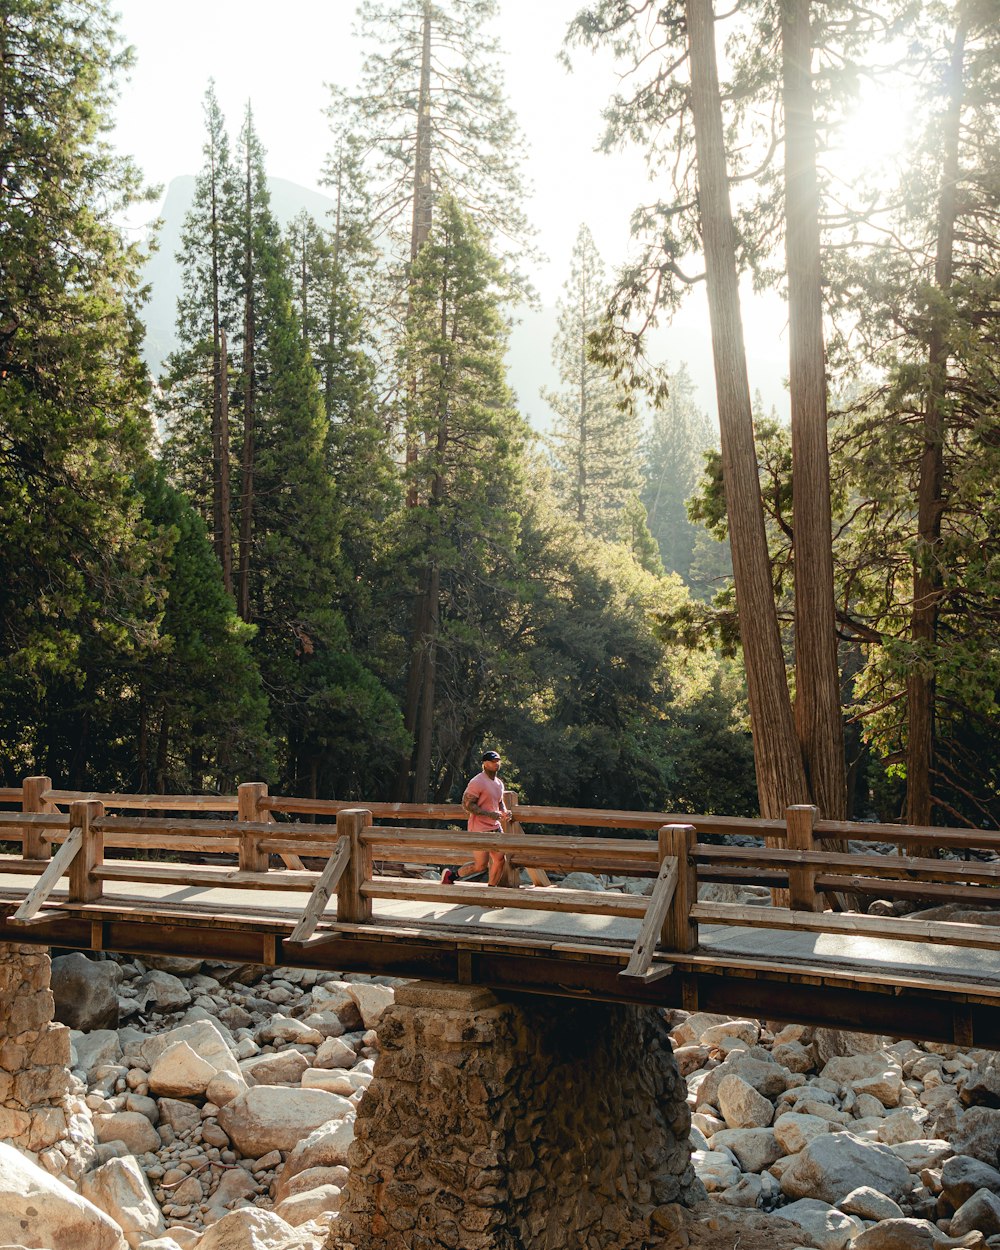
(483, 800)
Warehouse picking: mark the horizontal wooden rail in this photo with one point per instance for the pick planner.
(397, 811)
(10, 794)
(12, 821)
(431, 845)
(535, 898)
(938, 932)
(587, 817)
(915, 835)
(837, 864)
(916, 891)
(154, 802)
(204, 875)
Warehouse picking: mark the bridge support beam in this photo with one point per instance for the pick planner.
(528, 1123)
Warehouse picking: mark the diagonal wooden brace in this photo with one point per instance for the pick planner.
(323, 890)
(639, 966)
(58, 867)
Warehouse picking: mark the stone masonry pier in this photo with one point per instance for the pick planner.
(525, 1124)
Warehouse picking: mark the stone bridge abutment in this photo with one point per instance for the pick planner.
(522, 1124)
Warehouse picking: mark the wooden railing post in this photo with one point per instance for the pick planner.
(248, 797)
(680, 931)
(537, 876)
(33, 791)
(86, 815)
(352, 906)
(799, 821)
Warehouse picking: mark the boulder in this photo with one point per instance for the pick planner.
(982, 1086)
(745, 1030)
(246, 1229)
(224, 1087)
(284, 1068)
(904, 1124)
(121, 1190)
(755, 1148)
(161, 991)
(875, 1073)
(923, 1153)
(85, 991)
(769, 1079)
(311, 1178)
(869, 1204)
(794, 1056)
(325, 1147)
(834, 1164)
(371, 1000)
(980, 1213)
(829, 1043)
(715, 1169)
(183, 1117)
(334, 1080)
(130, 1127)
(978, 1134)
(281, 1030)
(176, 965)
(300, 1208)
(205, 1039)
(334, 1053)
(963, 1175)
(95, 1049)
(234, 1185)
(274, 1117)
(910, 1234)
(179, 1072)
(37, 1207)
(795, 1130)
(828, 1228)
(741, 1106)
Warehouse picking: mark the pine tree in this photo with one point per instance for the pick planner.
(78, 591)
(595, 441)
(461, 535)
(674, 458)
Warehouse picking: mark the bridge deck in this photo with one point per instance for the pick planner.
(926, 990)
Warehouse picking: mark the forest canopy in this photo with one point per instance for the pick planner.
(325, 548)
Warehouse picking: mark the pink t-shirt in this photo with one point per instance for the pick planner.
(488, 793)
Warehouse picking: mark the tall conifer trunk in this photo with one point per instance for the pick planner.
(780, 774)
(221, 522)
(920, 685)
(818, 719)
(249, 398)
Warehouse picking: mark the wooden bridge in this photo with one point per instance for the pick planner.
(352, 906)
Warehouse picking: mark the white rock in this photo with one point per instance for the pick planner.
(904, 1124)
(875, 1073)
(334, 1080)
(869, 1204)
(334, 1053)
(224, 1087)
(923, 1153)
(755, 1148)
(311, 1178)
(834, 1164)
(274, 1117)
(162, 991)
(741, 1106)
(372, 1000)
(130, 1127)
(58, 1218)
(746, 1030)
(178, 1072)
(795, 1130)
(246, 1229)
(828, 1228)
(280, 1030)
(205, 1039)
(300, 1208)
(715, 1169)
(95, 1049)
(121, 1190)
(284, 1068)
(325, 1147)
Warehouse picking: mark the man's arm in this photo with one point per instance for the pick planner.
(470, 801)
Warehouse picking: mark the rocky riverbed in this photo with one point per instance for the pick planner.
(213, 1106)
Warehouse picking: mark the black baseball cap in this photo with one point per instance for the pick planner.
(491, 755)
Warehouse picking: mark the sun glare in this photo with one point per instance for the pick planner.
(873, 140)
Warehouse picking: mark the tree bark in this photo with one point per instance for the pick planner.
(221, 522)
(920, 684)
(818, 719)
(249, 401)
(780, 775)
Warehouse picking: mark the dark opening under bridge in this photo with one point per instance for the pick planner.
(351, 910)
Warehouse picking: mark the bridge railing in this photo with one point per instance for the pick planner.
(57, 843)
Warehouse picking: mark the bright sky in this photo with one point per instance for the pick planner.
(280, 57)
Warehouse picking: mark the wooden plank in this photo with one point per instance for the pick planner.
(34, 799)
(893, 866)
(937, 932)
(10, 822)
(161, 802)
(526, 847)
(799, 820)
(22, 867)
(58, 866)
(323, 834)
(181, 875)
(11, 794)
(397, 811)
(328, 881)
(656, 914)
(537, 876)
(535, 898)
(155, 842)
(924, 891)
(929, 836)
